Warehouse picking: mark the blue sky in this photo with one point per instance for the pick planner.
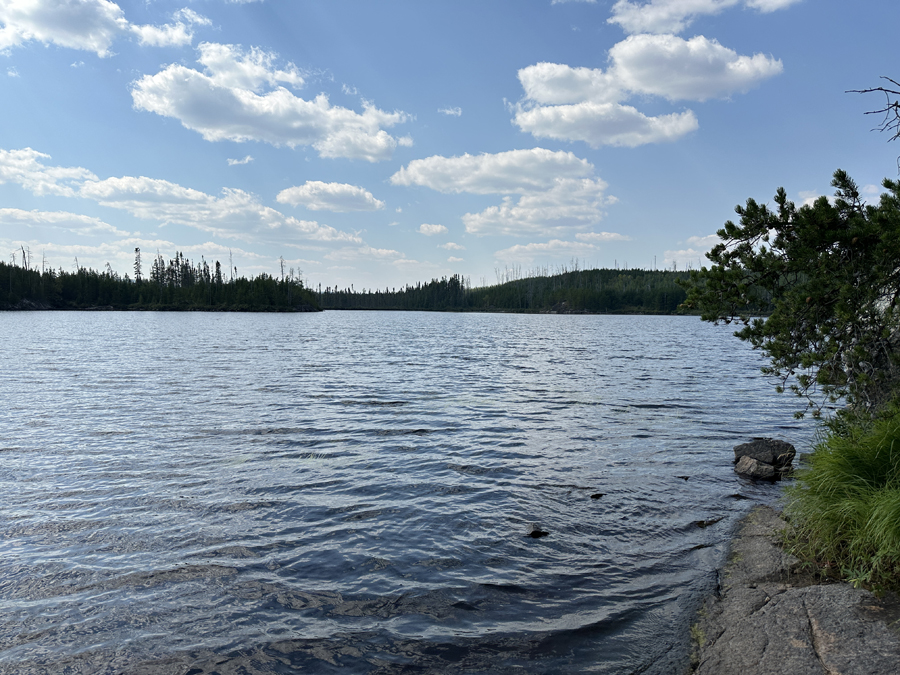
(383, 143)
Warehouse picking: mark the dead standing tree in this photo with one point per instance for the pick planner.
(891, 109)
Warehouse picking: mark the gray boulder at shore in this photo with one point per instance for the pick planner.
(770, 620)
(764, 458)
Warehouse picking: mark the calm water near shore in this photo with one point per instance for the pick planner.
(350, 492)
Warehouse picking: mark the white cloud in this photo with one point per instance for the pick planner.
(24, 167)
(88, 25)
(808, 197)
(431, 230)
(366, 252)
(450, 246)
(673, 16)
(604, 124)
(514, 171)
(73, 222)
(569, 203)
(12, 72)
(454, 259)
(597, 237)
(228, 66)
(587, 104)
(175, 34)
(234, 213)
(238, 162)
(556, 189)
(340, 197)
(224, 103)
(453, 112)
(705, 243)
(555, 248)
(697, 69)
(694, 256)
(871, 189)
(555, 83)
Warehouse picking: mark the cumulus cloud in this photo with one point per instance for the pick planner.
(544, 191)
(514, 171)
(604, 124)
(431, 230)
(673, 16)
(88, 25)
(453, 112)
(239, 97)
(234, 213)
(239, 162)
(340, 197)
(697, 69)
(450, 246)
(454, 259)
(588, 104)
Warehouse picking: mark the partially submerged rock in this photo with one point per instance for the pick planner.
(535, 531)
(764, 458)
(753, 468)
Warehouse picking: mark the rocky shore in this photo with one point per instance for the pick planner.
(768, 617)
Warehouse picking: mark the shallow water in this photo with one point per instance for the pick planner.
(352, 491)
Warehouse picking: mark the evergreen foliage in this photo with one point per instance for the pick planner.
(589, 291)
(178, 284)
(829, 277)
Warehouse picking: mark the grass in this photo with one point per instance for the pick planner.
(845, 504)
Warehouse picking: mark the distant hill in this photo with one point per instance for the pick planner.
(576, 291)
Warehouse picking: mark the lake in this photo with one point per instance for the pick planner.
(351, 492)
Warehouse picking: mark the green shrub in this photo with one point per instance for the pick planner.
(845, 504)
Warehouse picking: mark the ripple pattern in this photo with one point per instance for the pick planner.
(352, 491)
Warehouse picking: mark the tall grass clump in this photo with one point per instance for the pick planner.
(845, 504)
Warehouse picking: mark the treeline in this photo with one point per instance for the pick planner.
(573, 291)
(177, 284)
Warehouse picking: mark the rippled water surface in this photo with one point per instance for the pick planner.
(352, 492)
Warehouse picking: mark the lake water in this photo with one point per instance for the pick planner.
(351, 492)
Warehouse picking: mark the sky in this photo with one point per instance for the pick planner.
(375, 144)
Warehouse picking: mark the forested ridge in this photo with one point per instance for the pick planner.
(592, 291)
(179, 284)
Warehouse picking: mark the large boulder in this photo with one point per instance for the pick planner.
(764, 458)
(753, 468)
(779, 454)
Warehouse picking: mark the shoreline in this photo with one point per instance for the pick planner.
(767, 616)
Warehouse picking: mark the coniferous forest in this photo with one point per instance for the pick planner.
(181, 284)
(178, 284)
(631, 291)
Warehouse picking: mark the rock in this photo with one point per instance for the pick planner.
(535, 531)
(598, 495)
(779, 454)
(767, 620)
(753, 468)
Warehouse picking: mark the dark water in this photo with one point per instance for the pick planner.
(351, 492)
